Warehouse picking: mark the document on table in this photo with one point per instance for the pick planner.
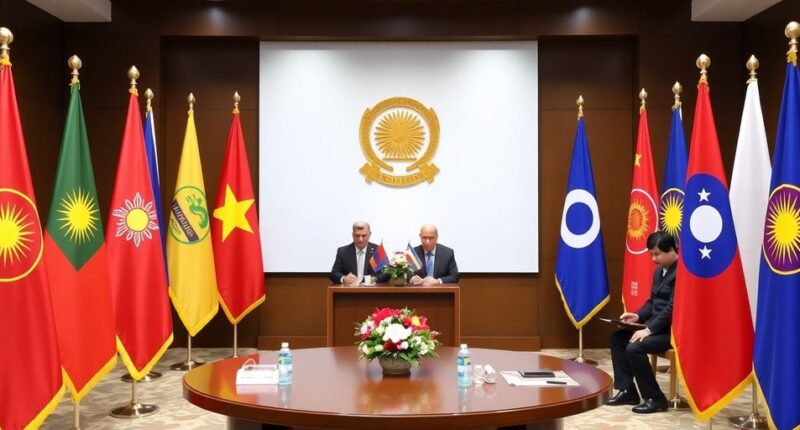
(561, 379)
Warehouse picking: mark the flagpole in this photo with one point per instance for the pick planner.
(76, 415)
(580, 358)
(235, 338)
(189, 364)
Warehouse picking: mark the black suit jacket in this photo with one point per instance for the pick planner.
(444, 264)
(346, 262)
(657, 310)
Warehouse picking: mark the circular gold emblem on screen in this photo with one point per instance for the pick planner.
(399, 137)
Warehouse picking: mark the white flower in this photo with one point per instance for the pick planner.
(399, 259)
(404, 345)
(364, 349)
(364, 328)
(423, 349)
(378, 348)
(380, 329)
(396, 333)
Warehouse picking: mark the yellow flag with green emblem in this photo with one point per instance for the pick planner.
(192, 280)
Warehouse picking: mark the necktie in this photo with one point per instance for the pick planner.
(429, 264)
(360, 264)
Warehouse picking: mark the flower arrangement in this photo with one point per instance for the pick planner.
(398, 267)
(396, 334)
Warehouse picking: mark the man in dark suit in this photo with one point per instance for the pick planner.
(352, 261)
(438, 261)
(629, 349)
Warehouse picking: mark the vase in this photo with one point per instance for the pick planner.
(394, 366)
(396, 281)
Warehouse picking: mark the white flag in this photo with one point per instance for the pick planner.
(750, 189)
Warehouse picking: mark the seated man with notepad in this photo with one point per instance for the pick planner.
(629, 348)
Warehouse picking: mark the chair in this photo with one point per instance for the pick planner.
(676, 402)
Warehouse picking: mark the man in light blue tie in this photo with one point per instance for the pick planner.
(438, 261)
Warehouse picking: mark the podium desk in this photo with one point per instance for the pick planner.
(333, 388)
(347, 305)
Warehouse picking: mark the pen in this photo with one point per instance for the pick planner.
(557, 382)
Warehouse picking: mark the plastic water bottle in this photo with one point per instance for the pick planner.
(285, 364)
(464, 367)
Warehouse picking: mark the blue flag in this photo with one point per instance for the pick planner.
(152, 166)
(777, 341)
(581, 274)
(671, 207)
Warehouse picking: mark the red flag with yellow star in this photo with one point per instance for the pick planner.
(30, 371)
(234, 232)
(637, 272)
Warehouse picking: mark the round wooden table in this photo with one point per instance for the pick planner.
(333, 389)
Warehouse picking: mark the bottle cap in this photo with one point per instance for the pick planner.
(463, 346)
(284, 344)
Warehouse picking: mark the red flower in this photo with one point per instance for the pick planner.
(406, 322)
(389, 346)
(381, 314)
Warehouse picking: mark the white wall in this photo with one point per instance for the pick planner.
(484, 199)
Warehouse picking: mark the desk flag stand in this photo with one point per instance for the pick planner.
(580, 358)
(752, 421)
(189, 364)
(134, 409)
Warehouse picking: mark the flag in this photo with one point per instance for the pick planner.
(152, 164)
(711, 329)
(77, 263)
(30, 372)
(750, 189)
(412, 258)
(671, 207)
(777, 340)
(581, 275)
(234, 232)
(192, 280)
(379, 259)
(136, 264)
(637, 268)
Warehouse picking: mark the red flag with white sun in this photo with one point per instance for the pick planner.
(135, 256)
(637, 272)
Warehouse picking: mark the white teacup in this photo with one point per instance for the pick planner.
(369, 280)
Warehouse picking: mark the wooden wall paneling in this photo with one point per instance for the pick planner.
(294, 311)
(764, 38)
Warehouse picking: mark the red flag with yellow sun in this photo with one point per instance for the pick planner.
(637, 272)
(234, 232)
(30, 371)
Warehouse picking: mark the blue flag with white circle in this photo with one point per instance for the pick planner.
(581, 275)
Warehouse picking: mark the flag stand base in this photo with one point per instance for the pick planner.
(748, 422)
(186, 365)
(134, 410)
(147, 378)
(678, 403)
(189, 364)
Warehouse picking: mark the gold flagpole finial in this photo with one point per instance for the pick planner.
(643, 98)
(6, 37)
(677, 89)
(703, 63)
(792, 31)
(133, 75)
(74, 63)
(752, 66)
(148, 94)
(580, 106)
(191, 101)
(236, 98)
